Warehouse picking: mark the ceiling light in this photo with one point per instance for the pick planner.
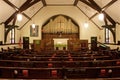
(86, 24)
(101, 16)
(33, 25)
(19, 17)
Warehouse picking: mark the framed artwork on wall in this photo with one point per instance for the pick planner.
(34, 31)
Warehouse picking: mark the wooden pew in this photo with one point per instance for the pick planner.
(44, 64)
(57, 73)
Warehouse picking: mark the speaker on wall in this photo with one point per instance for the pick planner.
(1, 42)
(118, 42)
(25, 42)
(94, 43)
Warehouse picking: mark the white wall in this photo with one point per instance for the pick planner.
(70, 11)
(10, 46)
(117, 33)
(2, 32)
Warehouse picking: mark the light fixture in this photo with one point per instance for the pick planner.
(86, 24)
(19, 17)
(33, 25)
(101, 16)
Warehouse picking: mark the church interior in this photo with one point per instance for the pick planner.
(60, 39)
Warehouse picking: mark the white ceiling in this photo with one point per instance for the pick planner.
(7, 11)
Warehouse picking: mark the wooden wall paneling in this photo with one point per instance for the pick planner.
(83, 44)
(37, 45)
(49, 44)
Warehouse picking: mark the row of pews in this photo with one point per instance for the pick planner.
(28, 64)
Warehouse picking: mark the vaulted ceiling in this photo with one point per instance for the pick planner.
(90, 8)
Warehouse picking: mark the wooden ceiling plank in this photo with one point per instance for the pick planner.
(10, 18)
(16, 8)
(99, 10)
(109, 4)
(44, 2)
(32, 3)
(10, 4)
(105, 7)
(95, 5)
(88, 3)
(25, 6)
(93, 16)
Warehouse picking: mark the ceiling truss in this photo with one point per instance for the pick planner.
(25, 6)
(96, 7)
(90, 3)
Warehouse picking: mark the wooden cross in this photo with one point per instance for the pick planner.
(60, 24)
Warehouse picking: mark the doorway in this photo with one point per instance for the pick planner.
(60, 43)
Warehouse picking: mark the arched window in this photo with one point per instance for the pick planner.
(12, 35)
(107, 35)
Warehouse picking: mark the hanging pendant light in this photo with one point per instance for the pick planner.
(19, 17)
(101, 16)
(86, 24)
(33, 25)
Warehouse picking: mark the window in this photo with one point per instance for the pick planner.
(107, 35)
(12, 36)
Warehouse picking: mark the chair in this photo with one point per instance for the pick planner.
(117, 62)
(25, 73)
(103, 73)
(50, 65)
(54, 73)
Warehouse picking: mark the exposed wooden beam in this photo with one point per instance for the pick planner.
(25, 6)
(105, 20)
(88, 18)
(111, 27)
(108, 26)
(109, 4)
(31, 17)
(14, 14)
(14, 21)
(105, 7)
(10, 18)
(9, 28)
(95, 6)
(26, 15)
(16, 8)
(109, 18)
(44, 2)
(75, 2)
(93, 16)
(33, 2)
(12, 5)
(88, 3)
